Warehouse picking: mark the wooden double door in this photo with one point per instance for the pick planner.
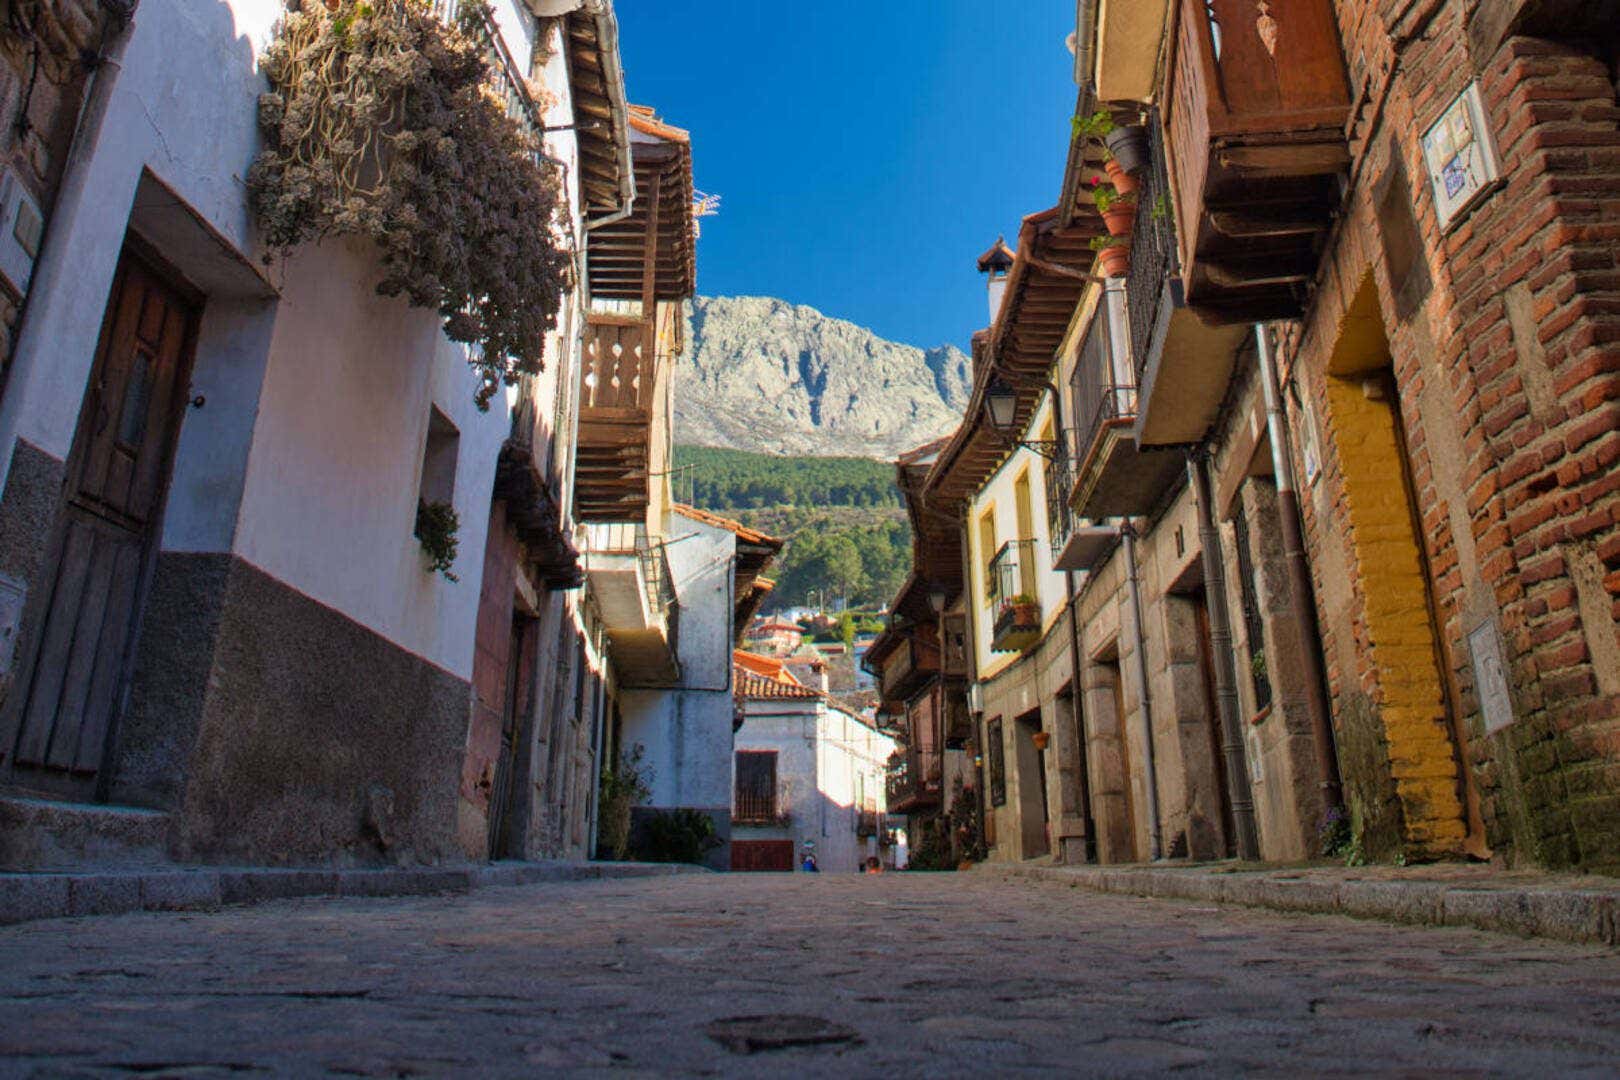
(73, 666)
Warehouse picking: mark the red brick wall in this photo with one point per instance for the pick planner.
(1509, 382)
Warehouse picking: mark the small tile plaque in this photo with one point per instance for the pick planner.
(1460, 155)
(1490, 676)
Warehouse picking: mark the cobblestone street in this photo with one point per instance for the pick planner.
(912, 974)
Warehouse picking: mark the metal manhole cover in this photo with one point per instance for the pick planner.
(751, 1034)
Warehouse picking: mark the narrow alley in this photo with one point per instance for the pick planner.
(901, 974)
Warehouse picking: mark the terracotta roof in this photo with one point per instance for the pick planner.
(911, 457)
(744, 533)
(645, 120)
(762, 677)
(999, 257)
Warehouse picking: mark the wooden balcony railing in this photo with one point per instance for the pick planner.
(1257, 104)
(910, 666)
(617, 392)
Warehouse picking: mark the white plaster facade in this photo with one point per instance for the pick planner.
(830, 764)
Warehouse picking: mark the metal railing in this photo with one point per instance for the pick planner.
(511, 86)
(631, 538)
(1154, 263)
(1098, 393)
(1059, 489)
(1012, 573)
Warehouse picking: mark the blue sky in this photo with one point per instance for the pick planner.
(866, 151)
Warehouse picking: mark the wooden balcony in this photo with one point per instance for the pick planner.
(1180, 365)
(916, 780)
(1257, 103)
(910, 667)
(617, 398)
(1113, 477)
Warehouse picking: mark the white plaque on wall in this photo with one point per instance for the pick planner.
(1490, 676)
(1460, 155)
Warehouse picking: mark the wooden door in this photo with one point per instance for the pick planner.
(762, 855)
(71, 682)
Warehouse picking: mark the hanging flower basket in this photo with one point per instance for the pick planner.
(383, 122)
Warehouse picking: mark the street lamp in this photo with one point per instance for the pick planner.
(1001, 400)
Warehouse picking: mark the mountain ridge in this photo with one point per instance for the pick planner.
(769, 376)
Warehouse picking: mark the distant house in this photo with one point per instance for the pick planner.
(773, 637)
(808, 776)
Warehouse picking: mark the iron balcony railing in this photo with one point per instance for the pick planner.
(631, 538)
(1059, 489)
(1101, 392)
(510, 84)
(1154, 264)
(1012, 573)
(755, 808)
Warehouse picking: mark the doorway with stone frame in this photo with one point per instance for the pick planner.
(1396, 731)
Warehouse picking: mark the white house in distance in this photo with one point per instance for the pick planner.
(808, 776)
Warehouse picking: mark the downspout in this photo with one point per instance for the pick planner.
(1133, 582)
(598, 745)
(607, 34)
(1086, 820)
(1300, 590)
(1220, 637)
(1085, 23)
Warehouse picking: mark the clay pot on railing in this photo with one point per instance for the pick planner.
(1123, 182)
(1129, 145)
(1120, 218)
(1114, 260)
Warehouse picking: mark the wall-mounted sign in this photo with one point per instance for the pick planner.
(1490, 676)
(1460, 155)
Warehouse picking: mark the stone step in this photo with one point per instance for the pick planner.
(42, 834)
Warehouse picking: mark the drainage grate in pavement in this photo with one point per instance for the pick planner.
(751, 1034)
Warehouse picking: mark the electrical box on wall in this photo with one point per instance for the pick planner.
(22, 226)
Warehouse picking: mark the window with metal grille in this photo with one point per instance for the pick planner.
(997, 763)
(1252, 629)
(756, 786)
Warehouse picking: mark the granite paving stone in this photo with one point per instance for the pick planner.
(898, 975)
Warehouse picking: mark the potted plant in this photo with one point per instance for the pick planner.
(1118, 210)
(1129, 145)
(1026, 610)
(1125, 148)
(1040, 739)
(1113, 255)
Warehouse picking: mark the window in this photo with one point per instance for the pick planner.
(755, 786)
(987, 551)
(1259, 676)
(996, 762)
(439, 460)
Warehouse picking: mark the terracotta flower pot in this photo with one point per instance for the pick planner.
(1123, 182)
(1114, 261)
(1120, 218)
(1040, 739)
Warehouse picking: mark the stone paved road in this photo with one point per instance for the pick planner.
(940, 975)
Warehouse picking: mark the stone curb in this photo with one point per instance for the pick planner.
(25, 897)
(1585, 916)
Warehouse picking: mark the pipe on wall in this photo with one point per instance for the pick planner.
(1139, 649)
(1220, 635)
(1301, 592)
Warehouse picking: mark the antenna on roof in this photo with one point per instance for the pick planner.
(703, 205)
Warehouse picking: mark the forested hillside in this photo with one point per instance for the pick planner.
(847, 534)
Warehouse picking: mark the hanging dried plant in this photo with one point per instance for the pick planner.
(383, 122)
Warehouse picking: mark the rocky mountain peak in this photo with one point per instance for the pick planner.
(765, 375)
